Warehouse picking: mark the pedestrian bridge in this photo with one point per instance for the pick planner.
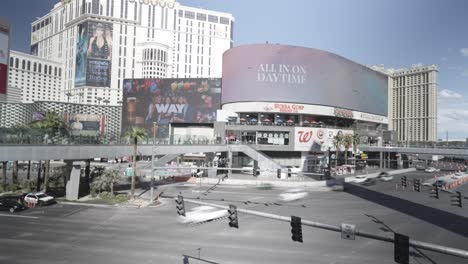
(84, 152)
(449, 152)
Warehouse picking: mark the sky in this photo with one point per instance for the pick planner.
(395, 33)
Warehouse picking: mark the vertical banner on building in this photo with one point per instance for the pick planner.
(316, 139)
(99, 54)
(4, 51)
(81, 53)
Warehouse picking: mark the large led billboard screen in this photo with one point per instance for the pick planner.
(279, 73)
(94, 54)
(4, 51)
(154, 103)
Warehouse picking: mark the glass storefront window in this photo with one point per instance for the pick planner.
(272, 138)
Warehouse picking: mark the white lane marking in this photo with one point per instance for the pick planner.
(20, 216)
(267, 194)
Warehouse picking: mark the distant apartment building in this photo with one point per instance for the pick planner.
(102, 42)
(412, 107)
(31, 79)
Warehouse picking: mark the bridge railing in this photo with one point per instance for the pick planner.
(34, 136)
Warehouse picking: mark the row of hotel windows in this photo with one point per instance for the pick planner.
(37, 67)
(203, 17)
(96, 8)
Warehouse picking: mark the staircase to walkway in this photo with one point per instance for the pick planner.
(264, 162)
(161, 162)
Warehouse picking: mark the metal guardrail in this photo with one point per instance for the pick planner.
(414, 243)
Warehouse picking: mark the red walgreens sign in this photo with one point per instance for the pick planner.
(304, 136)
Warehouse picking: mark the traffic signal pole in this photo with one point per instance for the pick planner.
(413, 243)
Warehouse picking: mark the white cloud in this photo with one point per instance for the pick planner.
(449, 94)
(454, 119)
(464, 52)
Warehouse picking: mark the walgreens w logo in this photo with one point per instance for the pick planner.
(304, 136)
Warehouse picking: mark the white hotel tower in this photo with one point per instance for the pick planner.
(145, 39)
(412, 105)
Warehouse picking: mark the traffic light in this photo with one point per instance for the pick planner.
(404, 183)
(180, 205)
(296, 230)
(233, 221)
(435, 192)
(278, 173)
(417, 185)
(153, 182)
(401, 244)
(457, 199)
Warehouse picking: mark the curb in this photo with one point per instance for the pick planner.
(102, 205)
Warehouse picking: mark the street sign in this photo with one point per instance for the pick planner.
(348, 231)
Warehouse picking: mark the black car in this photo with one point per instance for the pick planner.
(369, 181)
(439, 184)
(11, 205)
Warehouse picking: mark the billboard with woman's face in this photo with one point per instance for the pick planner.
(164, 101)
(94, 54)
(4, 54)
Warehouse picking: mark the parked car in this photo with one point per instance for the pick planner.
(369, 182)
(432, 169)
(39, 198)
(11, 205)
(384, 176)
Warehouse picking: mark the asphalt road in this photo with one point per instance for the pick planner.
(81, 234)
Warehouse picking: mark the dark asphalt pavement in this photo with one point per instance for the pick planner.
(81, 234)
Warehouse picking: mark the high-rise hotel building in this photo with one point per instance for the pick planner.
(412, 107)
(102, 42)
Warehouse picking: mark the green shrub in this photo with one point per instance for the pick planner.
(121, 198)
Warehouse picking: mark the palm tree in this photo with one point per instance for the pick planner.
(14, 175)
(20, 130)
(337, 143)
(356, 142)
(53, 123)
(347, 142)
(46, 175)
(4, 172)
(136, 133)
(111, 177)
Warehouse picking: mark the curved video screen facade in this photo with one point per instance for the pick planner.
(278, 73)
